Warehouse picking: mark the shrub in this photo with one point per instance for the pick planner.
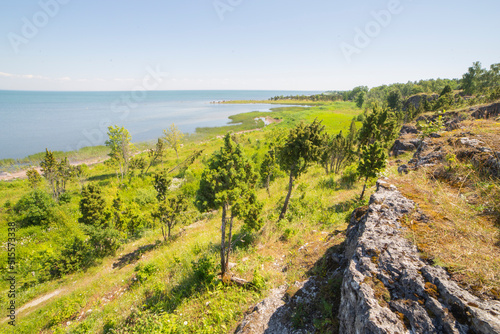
(204, 269)
(34, 208)
(143, 272)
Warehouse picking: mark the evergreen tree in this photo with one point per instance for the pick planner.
(395, 100)
(373, 160)
(380, 125)
(34, 178)
(228, 182)
(303, 147)
(49, 169)
(93, 207)
(156, 153)
(161, 184)
(169, 212)
(269, 167)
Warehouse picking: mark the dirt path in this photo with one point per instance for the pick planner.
(39, 300)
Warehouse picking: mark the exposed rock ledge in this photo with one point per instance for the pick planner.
(388, 289)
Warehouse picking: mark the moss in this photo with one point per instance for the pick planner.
(432, 290)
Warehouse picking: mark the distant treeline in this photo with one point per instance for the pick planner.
(476, 81)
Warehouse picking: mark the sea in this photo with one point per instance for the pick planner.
(31, 121)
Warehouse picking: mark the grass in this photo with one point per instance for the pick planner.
(462, 203)
(103, 299)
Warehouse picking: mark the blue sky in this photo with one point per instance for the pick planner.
(244, 44)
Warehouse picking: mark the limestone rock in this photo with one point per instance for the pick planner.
(387, 288)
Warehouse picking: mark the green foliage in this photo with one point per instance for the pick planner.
(119, 144)
(144, 272)
(34, 208)
(34, 178)
(395, 100)
(360, 99)
(258, 282)
(338, 152)
(93, 207)
(170, 212)
(228, 182)
(104, 241)
(204, 269)
(373, 160)
(173, 138)
(302, 148)
(379, 126)
(161, 184)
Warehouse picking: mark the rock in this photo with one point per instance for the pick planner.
(408, 129)
(387, 288)
(401, 146)
(488, 111)
(403, 169)
(435, 135)
(469, 142)
(417, 99)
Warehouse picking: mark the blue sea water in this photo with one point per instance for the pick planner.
(65, 121)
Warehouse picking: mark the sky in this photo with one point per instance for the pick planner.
(316, 45)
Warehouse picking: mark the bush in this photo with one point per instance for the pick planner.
(349, 176)
(143, 272)
(204, 269)
(64, 198)
(34, 208)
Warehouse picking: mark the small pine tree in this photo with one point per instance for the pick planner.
(303, 147)
(34, 178)
(169, 212)
(93, 207)
(373, 160)
(228, 182)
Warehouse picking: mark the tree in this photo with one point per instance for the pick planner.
(93, 207)
(338, 152)
(268, 167)
(173, 137)
(395, 100)
(35, 208)
(97, 223)
(471, 81)
(380, 125)
(119, 144)
(303, 147)
(447, 89)
(156, 153)
(161, 184)
(228, 182)
(34, 178)
(360, 99)
(373, 160)
(170, 212)
(352, 136)
(49, 169)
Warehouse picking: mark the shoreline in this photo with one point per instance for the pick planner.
(21, 174)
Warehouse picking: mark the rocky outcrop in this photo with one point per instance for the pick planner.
(387, 288)
(401, 145)
(415, 100)
(488, 111)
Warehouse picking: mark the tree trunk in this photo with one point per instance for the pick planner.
(229, 239)
(222, 241)
(287, 199)
(267, 184)
(363, 192)
(163, 233)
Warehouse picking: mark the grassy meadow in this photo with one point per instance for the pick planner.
(152, 286)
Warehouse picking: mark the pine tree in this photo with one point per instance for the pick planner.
(34, 178)
(169, 212)
(49, 169)
(302, 148)
(93, 207)
(373, 160)
(228, 182)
